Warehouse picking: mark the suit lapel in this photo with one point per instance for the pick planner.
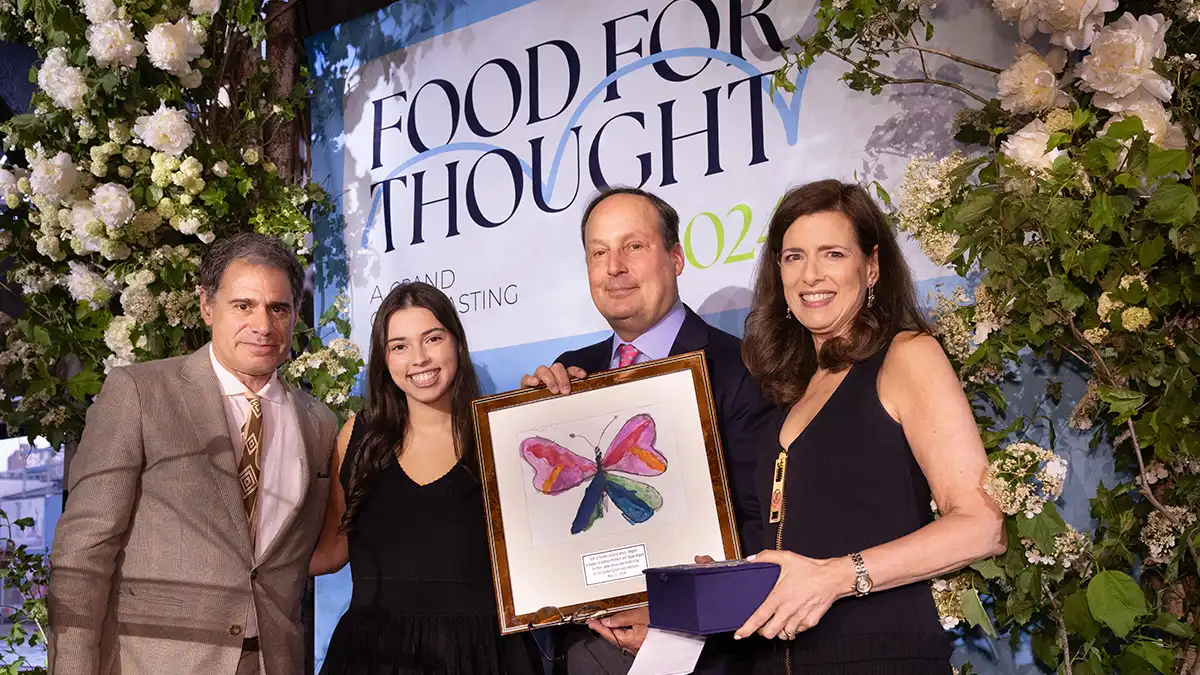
(693, 334)
(309, 425)
(599, 356)
(206, 408)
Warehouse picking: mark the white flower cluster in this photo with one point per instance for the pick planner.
(166, 130)
(924, 192)
(950, 327)
(335, 359)
(1158, 534)
(1027, 147)
(173, 46)
(182, 308)
(1120, 66)
(1072, 551)
(24, 354)
(85, 285)
(139, 302)
(1023, 477)
(62, 82)
(947, 596)
(118, 338)
(10, 192)
(112, 43)
(1072, 24)
(34, 279)
(1030, 84)
(53, 178)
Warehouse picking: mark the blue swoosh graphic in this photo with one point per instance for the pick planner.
(789, 116)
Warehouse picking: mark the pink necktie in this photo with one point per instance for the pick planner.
(628, 354)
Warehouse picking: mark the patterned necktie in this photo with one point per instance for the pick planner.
(628, 354)
(250, 464)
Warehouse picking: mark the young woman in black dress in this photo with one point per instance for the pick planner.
(876, 418)
(406, 509)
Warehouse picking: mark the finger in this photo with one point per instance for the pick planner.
(774, 627)
(603, 632)
(795, 626)
(618, 620)
(529, 381)
(561, 378)
(576, 373)
(704, 559)
(760, 616)
(767, 556)
(546, 379)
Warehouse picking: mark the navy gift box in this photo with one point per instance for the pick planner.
(705, 599)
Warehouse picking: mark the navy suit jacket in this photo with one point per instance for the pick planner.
(741, 411)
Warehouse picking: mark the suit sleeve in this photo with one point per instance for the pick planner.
(102, 484)
(746, 415)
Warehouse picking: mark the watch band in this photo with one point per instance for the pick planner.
(860, 572)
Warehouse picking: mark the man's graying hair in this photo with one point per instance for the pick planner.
(256, 249)
(668, 219)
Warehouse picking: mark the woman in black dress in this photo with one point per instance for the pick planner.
(876, 417)
(406, 509)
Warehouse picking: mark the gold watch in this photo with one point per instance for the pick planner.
(862, 580)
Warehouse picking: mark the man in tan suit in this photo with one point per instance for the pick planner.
(197, 494)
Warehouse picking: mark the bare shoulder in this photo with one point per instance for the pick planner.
(915, 366)
(913, 351)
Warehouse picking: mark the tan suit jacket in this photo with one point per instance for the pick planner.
(153, 570)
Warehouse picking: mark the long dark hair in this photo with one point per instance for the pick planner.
(384, 418)
(779, 351)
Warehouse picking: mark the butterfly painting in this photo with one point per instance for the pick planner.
(557, 470)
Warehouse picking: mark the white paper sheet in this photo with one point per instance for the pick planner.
(667, 653)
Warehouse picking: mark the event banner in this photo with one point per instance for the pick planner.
(462, 141)
(469, 157)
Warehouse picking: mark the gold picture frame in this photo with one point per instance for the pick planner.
(545, 573)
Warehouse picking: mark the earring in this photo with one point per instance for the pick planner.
(870, 297)
(788, 313)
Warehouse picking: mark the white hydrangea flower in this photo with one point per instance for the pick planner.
(140, 303)
(1156, 120)
(50, 246)
(86, 226)
(8, 187)
(173, 46)
(63, 82)
(114, 361)
(1030, 84)
(114, 206)
(220, 169)
(99, 11)
(117, 338)
(1072, 24)
(87, 286)
(1027, 147)
(191, 79)
(1121, 61)
(1019, 11)
(167, 130)
(54, 178)
(207, 237)
(199, 7)
(112, 43)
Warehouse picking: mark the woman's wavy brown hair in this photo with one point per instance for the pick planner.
(778, 350)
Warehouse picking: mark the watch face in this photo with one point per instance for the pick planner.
(862, 584)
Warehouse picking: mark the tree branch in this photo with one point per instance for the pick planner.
(953, 57)
(1144, 488)
(888, 79)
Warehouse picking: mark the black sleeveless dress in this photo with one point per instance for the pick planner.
(423, 601)
(852, 483)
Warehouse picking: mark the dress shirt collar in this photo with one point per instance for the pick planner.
(656, 343)
(232, 386)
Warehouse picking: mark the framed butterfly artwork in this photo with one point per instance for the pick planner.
(585, 490)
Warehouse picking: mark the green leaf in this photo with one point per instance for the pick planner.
(154, 194)
(85, 383)
(974, 207)
(1045, 648)
(1163, 162)
(1078, 617)
(1125, 129)
(1122, 402)
(1151, 251)
(974, 612)
(23, 523)
(1173, 203)
(1042, 528)
(1116, 601)
(1095, 259)
(39, 335)
(1174, 626)
(988, 568)
(1159, 657)
(1102, 212)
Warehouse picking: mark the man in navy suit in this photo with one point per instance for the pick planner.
(634, 259)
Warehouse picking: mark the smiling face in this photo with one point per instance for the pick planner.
(631, 272)
(252, 318)
(422, 356)
(825, 273)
